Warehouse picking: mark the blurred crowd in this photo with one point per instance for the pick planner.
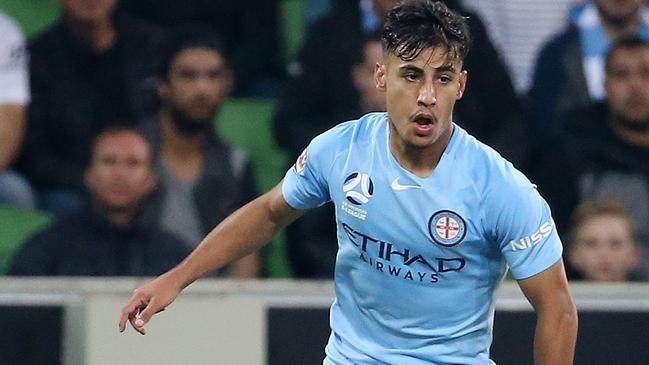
(107, 122)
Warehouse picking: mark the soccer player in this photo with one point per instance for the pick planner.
(428, 219)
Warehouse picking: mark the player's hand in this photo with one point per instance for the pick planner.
(148, 300)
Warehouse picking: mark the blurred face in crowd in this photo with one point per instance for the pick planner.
(196, 85)
(120, 174)
(420, 96)
(619, 11)
(604, 248)
(372, 99)
(627, 84)
(88, 11)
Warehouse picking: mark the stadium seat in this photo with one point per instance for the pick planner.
(246, 122)
(291, 24)
(16, 225)
(33, 16)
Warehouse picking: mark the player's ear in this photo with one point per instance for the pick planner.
(379, 75)
(463, 80)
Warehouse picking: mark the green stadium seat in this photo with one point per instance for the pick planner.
(246, 122)
(16, 225)
(291, 24)
(33, 16)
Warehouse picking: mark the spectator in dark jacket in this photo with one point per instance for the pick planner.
(569, 72)
(91, 67)
(604, 148)
(115, 235)
(203, 179)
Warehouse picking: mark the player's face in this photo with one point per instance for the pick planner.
(88, 10)
(120, 174)
(197, 83)
(604, 249)
(627, 84)
(420, 95)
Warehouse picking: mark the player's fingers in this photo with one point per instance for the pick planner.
(148, 312)
(141, 330)
(137, 325)
(129, 310)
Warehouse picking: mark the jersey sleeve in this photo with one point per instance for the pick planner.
(523, 229)
(305, 184)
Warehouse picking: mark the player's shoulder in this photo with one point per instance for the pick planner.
(348, 133)
(489, 171)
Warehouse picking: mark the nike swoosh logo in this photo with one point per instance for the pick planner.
(396, 186)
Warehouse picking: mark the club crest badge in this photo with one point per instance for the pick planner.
(447, 228)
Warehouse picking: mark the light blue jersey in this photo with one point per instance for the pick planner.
(419, 258)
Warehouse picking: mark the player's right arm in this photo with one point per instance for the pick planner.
(243, 232)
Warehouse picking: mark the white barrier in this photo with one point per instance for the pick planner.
(218, 321)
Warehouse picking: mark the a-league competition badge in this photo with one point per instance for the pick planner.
(358, 188)
(447, 228)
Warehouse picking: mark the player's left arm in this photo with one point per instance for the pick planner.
(556, 324)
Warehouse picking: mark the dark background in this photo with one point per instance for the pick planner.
(32, 335)
(298, 336)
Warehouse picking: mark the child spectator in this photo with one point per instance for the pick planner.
(603, 246)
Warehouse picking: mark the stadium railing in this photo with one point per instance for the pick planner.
(274, 322)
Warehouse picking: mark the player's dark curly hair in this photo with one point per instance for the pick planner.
(415, 25)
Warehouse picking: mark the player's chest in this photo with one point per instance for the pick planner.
(436, 216)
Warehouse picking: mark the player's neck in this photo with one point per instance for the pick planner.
(420, 161)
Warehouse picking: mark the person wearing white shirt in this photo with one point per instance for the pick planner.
(14, 98)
